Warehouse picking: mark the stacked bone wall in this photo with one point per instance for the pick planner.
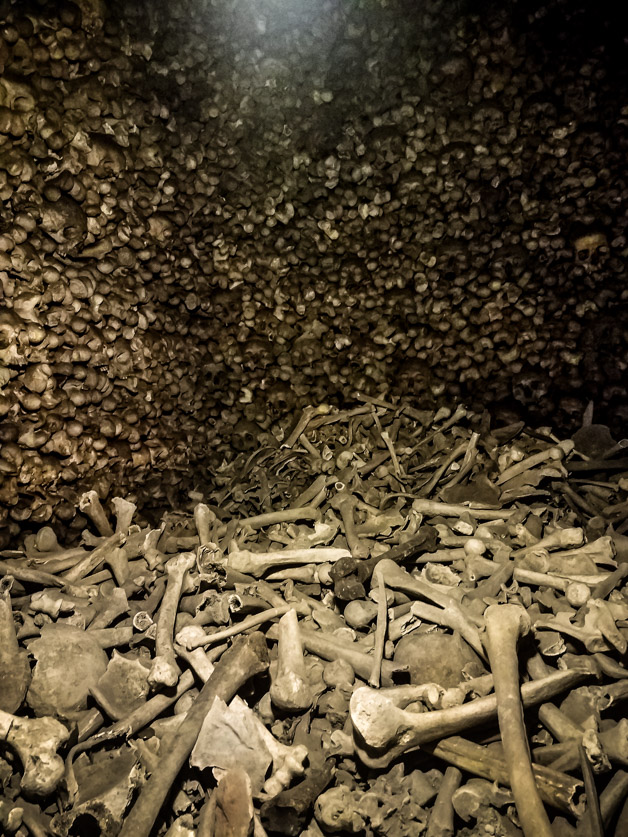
(215, 212)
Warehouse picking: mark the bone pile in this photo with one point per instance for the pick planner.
(219, 211)
(391, 622)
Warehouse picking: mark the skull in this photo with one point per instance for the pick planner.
(245, 435)
(590, 248)
(16, 94)
(10, 327)
(92, 13)
(105, 155)
(64, 221)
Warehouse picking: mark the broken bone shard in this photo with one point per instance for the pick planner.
(124, 686)
(15, 672)
(233, 813)
(36, 742)
(105, 788)
(233, 735)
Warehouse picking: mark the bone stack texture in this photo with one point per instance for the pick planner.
(214, 213)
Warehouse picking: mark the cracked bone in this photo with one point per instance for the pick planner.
(164, 670)
(559, 790)
(441, 820)
(385, 731)
(233, 805)
(477, 795)
(434, 508)
(36, 741)
(257, 563)
(105, 788)
(124, 511)
(505, 624)
(290, 689)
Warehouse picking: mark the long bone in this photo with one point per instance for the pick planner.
(332, 648)
(257, 563)
(553, 454)
(558, 789)
(399, 579)
(344, 502)
(504, 625)
(248, 656)
(290, 690)
(91, 505)
(164, 670)
(101, 554)
(384, 731)
(433, 508)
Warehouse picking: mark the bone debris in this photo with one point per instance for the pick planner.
(360, 667)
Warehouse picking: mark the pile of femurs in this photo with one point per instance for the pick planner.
(388, 621)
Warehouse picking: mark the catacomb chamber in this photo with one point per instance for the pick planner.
(327, 260)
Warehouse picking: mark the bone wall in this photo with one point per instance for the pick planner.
(214, 212)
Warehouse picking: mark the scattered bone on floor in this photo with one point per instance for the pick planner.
(301, 649)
